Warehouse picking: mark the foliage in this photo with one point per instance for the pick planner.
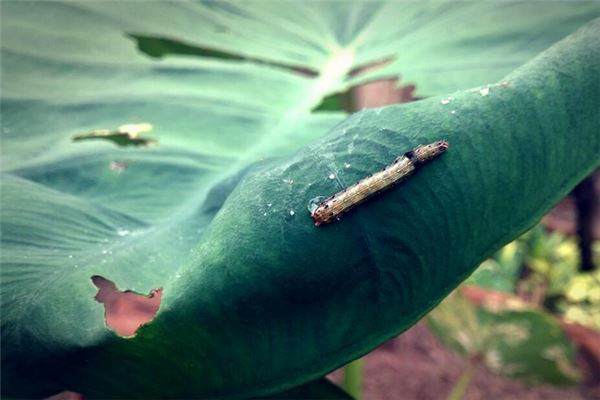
(553, 276)
(581, 302)
(501, 271)
(517, 341)
(552, 259)
(256, 299)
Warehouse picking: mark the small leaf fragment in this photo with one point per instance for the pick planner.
(124, 135)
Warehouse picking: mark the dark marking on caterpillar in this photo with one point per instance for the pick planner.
(333, 207)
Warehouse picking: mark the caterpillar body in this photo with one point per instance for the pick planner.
(333, 207)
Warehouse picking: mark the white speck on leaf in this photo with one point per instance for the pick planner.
(331, 176)
(118, 166)
(484, 91)
(135, 129)
(346, 165)
(447, 100)
(292, 212)
(122, 232)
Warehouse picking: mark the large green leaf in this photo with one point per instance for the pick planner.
(257, 303)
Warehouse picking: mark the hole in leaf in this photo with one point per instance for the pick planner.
(124, 135)
(125, 311)
(373, 93)
(381, 93)
(159, 47)
(377, 93)
(334, 102)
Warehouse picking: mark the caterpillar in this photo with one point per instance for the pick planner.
(333, 207)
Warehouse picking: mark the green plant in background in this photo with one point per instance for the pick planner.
(353, 377)
(557, 279)
(552, 277)
(548, 261)
(501, 271)
(552, 259)
(581, 299)
(513, 340)
(256, 299)
(519, 331)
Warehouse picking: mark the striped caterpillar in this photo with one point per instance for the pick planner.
(332, 208)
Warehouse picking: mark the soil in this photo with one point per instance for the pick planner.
(415, 366)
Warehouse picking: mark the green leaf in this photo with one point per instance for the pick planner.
(353, 377)
(255, 304)
(553, 259)
(523, 343)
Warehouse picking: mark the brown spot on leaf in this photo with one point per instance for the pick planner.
(126, 311)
